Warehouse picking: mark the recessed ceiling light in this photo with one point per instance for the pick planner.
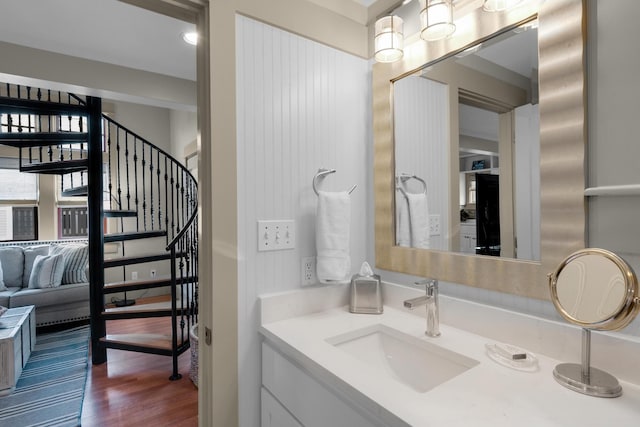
(191, 38)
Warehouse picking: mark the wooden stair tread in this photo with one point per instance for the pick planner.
(157, 341)
(120, 213)
(76, 191)
(48, 108)
(133, 235)
(41, 139)
(138, 259)
(130, 285)
(141, 308)
(56, 168)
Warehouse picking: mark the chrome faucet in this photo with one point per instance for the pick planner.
(430, 300)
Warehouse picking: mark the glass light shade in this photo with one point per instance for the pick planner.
(190, 38)
(389, 39)
(499, 5)
(436, 19)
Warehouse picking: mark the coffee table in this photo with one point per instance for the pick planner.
(17, 340)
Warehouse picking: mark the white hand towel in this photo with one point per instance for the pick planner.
(419, 219)
(403, 227)
(333, 219)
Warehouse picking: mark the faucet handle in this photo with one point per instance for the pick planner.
(430, 286)
(428, 283)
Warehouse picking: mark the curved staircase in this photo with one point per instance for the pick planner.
(137, 189)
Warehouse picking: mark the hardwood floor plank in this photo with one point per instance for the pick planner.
(132, 389)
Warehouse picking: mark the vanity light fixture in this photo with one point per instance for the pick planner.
(499, 5)
(389, 39)
(436, 19)
(190, 38)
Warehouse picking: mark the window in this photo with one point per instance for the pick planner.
(73, 222)
(16, 185)
(18, 195)
(18, 223)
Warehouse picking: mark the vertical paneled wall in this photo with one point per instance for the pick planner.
(422, 141)
(613, 94)
(300, 106)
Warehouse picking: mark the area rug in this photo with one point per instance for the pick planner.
(51, 388)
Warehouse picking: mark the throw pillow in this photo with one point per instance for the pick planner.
(12, 260)
(76, 259)
(47, 271)
(30, 254)
(3, 287)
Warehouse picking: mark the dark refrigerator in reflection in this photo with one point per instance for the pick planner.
(488, 214)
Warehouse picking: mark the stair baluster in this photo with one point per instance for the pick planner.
(118, 176)
(159, 190)
(109, 161)
(151, 186)
(173, 215)
(126, 160)
(135, 174)
(144, 193)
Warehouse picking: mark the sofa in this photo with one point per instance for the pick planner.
(51, 275)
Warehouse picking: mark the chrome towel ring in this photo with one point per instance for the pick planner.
(404, 177)
(322, 172)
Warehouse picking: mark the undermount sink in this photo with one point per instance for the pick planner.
(414, 362)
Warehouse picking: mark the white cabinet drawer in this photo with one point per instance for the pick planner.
(273, 413)
(309, 401)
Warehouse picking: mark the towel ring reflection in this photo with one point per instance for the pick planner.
(404, 177)
(321, 174)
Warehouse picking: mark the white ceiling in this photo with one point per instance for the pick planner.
(101, 30)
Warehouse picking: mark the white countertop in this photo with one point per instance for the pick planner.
(488, 394)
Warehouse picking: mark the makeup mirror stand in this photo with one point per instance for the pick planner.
(585, 379)
(595, 289)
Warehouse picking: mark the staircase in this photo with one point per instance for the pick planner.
(138, 190)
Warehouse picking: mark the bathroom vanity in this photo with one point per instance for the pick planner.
(325, 366)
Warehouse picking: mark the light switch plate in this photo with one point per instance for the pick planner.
(434, 225)
(275, 235)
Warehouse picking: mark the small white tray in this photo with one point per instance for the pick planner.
(512, 357)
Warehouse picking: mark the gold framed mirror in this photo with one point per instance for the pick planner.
(561, 40)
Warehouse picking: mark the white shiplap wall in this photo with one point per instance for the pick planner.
(422, 141)
(300, 106)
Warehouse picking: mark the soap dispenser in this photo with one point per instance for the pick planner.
(366, 295)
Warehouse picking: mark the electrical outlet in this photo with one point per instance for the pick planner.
(309, 270)
(134, 275)
(152, 273)
(434, 225)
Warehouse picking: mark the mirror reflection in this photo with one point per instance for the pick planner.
(467, 151)
(591, 288)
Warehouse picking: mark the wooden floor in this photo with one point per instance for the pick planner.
(133, 389)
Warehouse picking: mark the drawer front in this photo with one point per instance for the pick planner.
(273, 413)
(309, 401)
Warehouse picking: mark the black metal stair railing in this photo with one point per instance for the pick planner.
(144, 178)
(52, 130)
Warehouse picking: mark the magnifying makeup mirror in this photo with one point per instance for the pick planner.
(598, 290)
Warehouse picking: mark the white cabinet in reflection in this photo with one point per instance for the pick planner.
(468, 239)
